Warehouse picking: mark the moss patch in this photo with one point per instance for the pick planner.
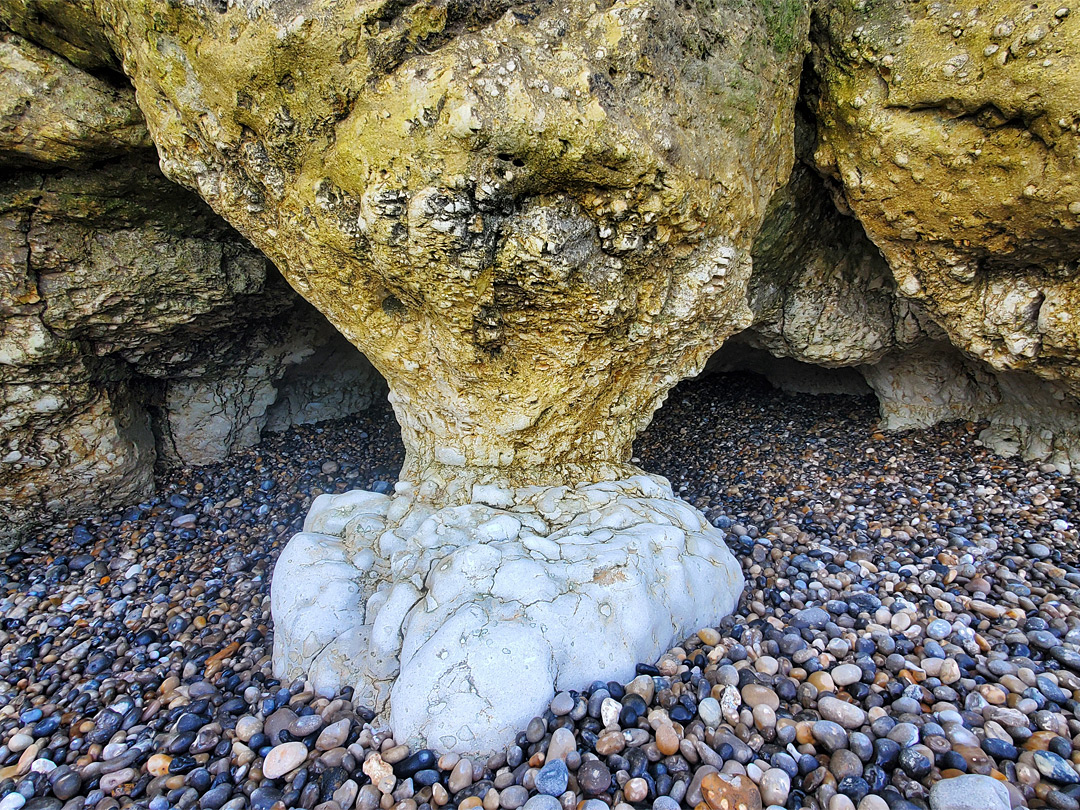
(784, 22)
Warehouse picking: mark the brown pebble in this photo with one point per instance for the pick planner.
(395, 754)
(158, 764)
(611, 742)
(667, 740)
(723, 791)
(754, 694)
(636, 790)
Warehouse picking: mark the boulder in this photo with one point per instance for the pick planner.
(426, 609)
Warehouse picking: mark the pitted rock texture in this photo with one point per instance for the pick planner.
(947, 130)
(136, 325)
(952, 129)
(426, 609)
(828, 309)
(533, 219)
(821, 291)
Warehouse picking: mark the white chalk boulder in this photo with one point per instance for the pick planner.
(459, 624)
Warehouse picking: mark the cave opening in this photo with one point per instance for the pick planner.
(735, 442)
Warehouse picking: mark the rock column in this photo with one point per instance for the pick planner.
(534, 220)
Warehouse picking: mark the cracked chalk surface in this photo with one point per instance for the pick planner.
(458, 624)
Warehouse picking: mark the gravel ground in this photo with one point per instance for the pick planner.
(909, 638)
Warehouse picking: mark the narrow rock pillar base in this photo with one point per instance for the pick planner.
(459, 623)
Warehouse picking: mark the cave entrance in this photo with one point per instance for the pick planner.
(754, 433)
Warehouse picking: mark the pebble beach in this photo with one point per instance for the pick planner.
(909, 637)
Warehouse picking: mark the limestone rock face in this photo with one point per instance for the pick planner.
(130, 311)
(53, 113)
(322, 377)
(934, 382)
(821, 292)
(72, 439)
(532, 219)
(428, 609)
(118, 258)
(69, 28)
(290, 370)
(135, 325)
(953, 130)
(81, 253)
(929, 384)
(824, 295)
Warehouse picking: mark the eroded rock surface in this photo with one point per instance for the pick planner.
(828, 306)
(934, 383)
(428, 609)
(72, 439)
(952, 128)
(821, 292)
(131, 310)
(69, 28)
(294, 369)
(53, 113)
(534, 220)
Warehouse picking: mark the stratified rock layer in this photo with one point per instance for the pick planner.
(54, 113)
(130, 310)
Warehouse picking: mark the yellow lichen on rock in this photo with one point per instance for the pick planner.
(533, 220)
(52, 113)
(953, 127)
